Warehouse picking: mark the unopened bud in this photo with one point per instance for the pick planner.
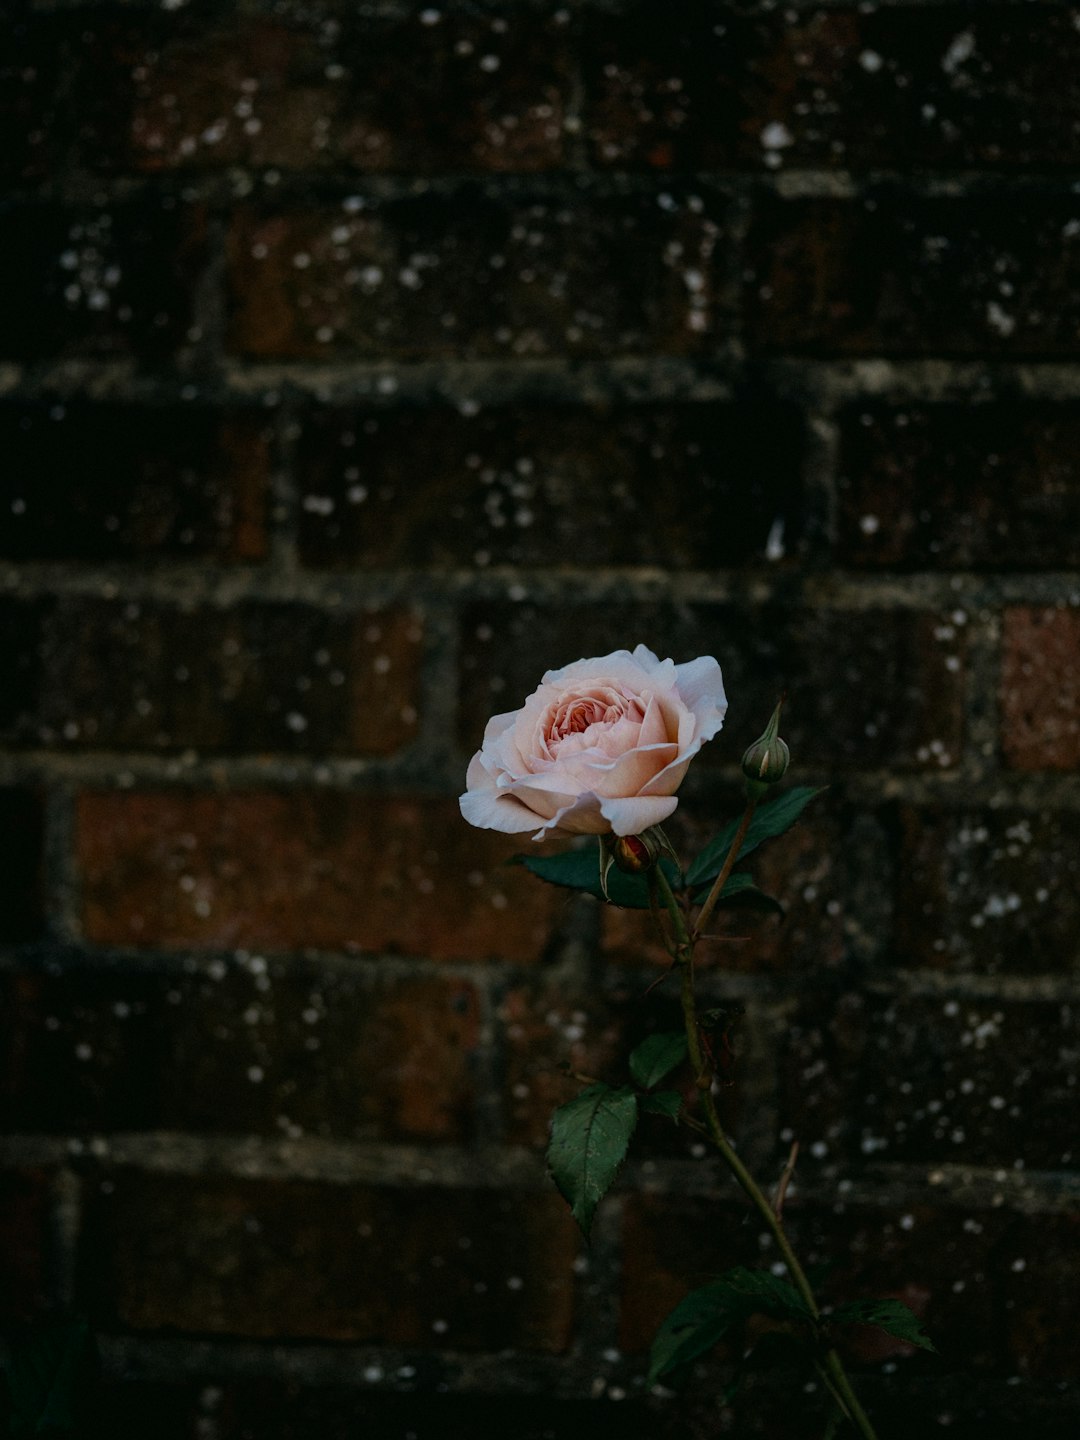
(635, 853)
(768, 758)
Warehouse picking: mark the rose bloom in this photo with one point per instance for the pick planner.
(600, 748)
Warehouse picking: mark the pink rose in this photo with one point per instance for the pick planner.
(601, 747)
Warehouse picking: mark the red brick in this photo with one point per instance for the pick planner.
(887, 275)
(115, 281)
(865, 688)
(1040, 688)
(919, 1080)
(477, 274)
(547, 484)
(942, 86)
(25, 1258)
(241, 1048)
(962, 1271)
(272, 677)
(973, 486)
(101, 481)
(368, 92)
(289, 871)
(306, 1260)
(988, 890)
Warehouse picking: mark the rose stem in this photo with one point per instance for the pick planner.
(835, 1375)
(725, 870)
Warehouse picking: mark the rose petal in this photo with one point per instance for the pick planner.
(631, 817)
(490, 810)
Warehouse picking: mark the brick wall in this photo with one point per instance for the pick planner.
(359, 361)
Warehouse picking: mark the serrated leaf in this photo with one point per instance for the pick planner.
(44, 1376)
(769, 820)
(663, 1102)
(706, 1315)
(892, 1316)
(589, 1138)
(580, 870)
(657, 1056)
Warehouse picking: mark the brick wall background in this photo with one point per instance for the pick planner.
(361, 360)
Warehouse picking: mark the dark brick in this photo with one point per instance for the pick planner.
(22, 843)
(688, 486)
(476, 274)
(865, 688)
(983, 1082)
(274, 677)
(1040, 688)
(963, 1272)
(475, 90)
(973, 486)
(889, 275)
(946, 86)
(988, 890)
(302, 1259)
(30, 136)
(289, 871)
(117, 280)
(243, 1047)
(101, 481)
(25, 1258)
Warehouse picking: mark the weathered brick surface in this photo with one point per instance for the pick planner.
(252, 677)
(478, 274)
(946, 86)
(22, 880)
(1040, 688)
(992, 891)
(472, 90)
(989, 486)
(696, 486)
(245, 1047)
(301, 1259)
(293, 871)
(964, 1272)
(887, 275)
(94, 481)
(114, 281)
(865, 688)
(930, 1080)
(25, 1259)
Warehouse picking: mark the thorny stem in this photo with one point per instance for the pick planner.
(682, 949)
(725, 870)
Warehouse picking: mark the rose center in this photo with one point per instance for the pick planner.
(580, 713)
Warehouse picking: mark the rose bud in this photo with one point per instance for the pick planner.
(635, 853)
(767, 760)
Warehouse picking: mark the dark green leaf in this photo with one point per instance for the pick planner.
(657, 1056)
(580, 870)
(589, 1137)
(892, 1316)
(44, 1376)
(705, 1316)
(663, 1102)
(769, 820)
(740, 892)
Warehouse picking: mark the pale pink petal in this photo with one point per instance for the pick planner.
(631, 817)
(583, 817)
(490, 810)
(631, 773)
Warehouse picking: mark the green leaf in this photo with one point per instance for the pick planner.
(589, 1138)
(580, 870)
(769, 821)
(707, 1314)
(892, 1316)
(657, 1056)
(663, 1102)
(45, 1374)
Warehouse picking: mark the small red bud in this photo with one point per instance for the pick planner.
(634, 854)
